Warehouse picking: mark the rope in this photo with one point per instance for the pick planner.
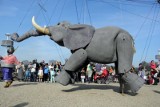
(84, 8)
(53, 12)
(124, 3)
(156, 16)
(108, 3)
(25, 15)
(77, 11)
(81, 11)
(62, 10)
(143, 22)
(58, 19)
(120, 6)
(149, 34)
(89, 13)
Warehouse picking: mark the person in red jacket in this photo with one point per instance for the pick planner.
(153, 65)
(8, 64)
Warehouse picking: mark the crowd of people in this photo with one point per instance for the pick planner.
(38, 72)
(151, 76)
(93, 72)
(46, 72)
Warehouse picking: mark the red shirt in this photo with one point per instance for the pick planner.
(10, 59)
(152, 65)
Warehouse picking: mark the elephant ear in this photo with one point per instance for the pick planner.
(78, 36)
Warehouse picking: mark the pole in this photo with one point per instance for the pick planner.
(8, 35)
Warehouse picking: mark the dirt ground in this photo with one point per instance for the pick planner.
(27, 94)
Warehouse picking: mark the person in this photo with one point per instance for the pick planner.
(52, 75)
(20, 71)
(98, 67)
(50, 66)
(42, 64)
(82, 75)
(36, 64)
(46, 72)
(158, 67)
(89, 72)
(150, 80)
(142, 73)
(153, 65)
(33, 72)
(104, 74)
(57, 67)
(8, 64)
(40, 74)
(27, 74)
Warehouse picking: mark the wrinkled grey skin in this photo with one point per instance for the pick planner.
(103, 45)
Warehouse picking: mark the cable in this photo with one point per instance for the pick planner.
(62, 10)
(149, 35)
(89, 13)
(25, 15)
(58, 20)
(84, 8)
(77, 11)
(120, 6)
(53, 11)
(143, 2)
(126, 10)
(124, 3)
(143, 22)
(41, 8)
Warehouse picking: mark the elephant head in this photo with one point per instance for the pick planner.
(56, 33)
(71, 36)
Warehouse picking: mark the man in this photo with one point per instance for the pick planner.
(8, 64)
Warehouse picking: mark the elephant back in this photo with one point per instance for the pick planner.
(78, 36)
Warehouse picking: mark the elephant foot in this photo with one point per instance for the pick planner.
(64, 78)
(133, 81)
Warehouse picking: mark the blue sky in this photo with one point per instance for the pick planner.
(141, 18)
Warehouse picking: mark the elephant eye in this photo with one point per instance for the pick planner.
(58, 23)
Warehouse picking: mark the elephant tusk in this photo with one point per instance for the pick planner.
(39, 28)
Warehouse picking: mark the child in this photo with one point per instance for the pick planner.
(52, 75)
(27, 75)
(40, 74)
(82, 75)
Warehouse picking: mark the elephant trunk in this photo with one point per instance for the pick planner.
(39, 28)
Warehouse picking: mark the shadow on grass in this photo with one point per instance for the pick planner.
(98, 87)
(21, 105)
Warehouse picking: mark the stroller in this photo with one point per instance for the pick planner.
(101, 77)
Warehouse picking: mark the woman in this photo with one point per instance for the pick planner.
(153, 65)
(89, 72)
(20, 71)
(7, 64)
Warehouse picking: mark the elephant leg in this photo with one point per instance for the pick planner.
(125, 56)
(75, 62)
(124, 52)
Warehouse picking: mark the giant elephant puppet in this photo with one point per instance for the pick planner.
(87, 44)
